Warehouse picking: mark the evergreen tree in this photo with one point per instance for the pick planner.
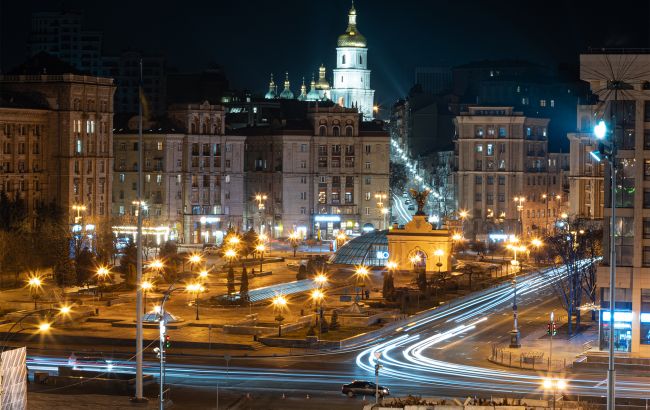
(243, 287)
(85, 266)
(249, 242)
(231, 281)
(334, 321)
(302, 273)
(422, 281)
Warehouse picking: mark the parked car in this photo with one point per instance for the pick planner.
(411, 208)
(211, 249)
(362, 387)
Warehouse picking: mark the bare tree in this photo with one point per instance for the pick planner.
(568, 249)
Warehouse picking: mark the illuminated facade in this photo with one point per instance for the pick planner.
(61, 149)
(501, 155)
(631, 110)
(193, 176)
(320, 175)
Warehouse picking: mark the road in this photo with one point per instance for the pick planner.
(408, 356)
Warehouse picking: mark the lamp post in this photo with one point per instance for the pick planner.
(439, 253)
(260, 249)
(102, 275)
(196, 289)
(381, 197)
(78, 208)
(520, 209)
(455, 238)
(279, 304)
(261, 199)
(361, 273)
(230, 254)
(514, 333)
(294, 237)
(145, 286)
(317, 296)
(35, 285)
(463, 215)
(554, 385)
(609, 152)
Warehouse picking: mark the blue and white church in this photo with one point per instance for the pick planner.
(351, 78)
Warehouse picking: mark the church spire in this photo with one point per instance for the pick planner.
(303, 91)
(313, 94)
(273, 90)
(286, 93)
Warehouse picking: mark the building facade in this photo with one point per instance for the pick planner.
(193, 176)
(74, 148)
(586, 183)
(319, 175)
(629, 107)
(501, 155)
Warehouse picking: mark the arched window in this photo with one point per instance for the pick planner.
(348, 131)
(336, 131)
(322, 130)
(343, 59)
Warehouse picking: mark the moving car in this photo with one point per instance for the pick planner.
(363, 387)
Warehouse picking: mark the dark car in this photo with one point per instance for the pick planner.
(362, 387)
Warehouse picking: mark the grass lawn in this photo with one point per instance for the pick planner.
(338, 334)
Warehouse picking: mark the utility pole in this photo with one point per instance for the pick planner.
(138, 304)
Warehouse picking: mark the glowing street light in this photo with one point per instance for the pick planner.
(260, 248)
(520, 208)
(145, 286)
(35, 283)
(44, 327)
(103, 274)
(361, 273)
(279, 303)
(65, 310)
(600, 130)
(294, 239)
(391, 265)
(196, 289)
(321, 279)
(554, 385)
(230, 254)
(203, 274)
(157, 264)
(195, 258)
(515, 335)
(317, 296)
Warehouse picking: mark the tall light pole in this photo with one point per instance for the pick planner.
(196, 289)
(138, 279)
(520, 209)
(514, 333)
(554, 385)
(317, 296)
(35, 285)
(279, 304)
(260, 249)
(261, 199)
(361, 273)
(601, 132)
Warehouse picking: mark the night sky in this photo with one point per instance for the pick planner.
(250, 39)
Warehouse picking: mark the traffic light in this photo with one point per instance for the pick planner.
(554, 329)
(548, 329)
(168, 342)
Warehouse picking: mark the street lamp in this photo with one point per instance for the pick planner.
(317, 296)
(260, 249)
(279, 304)
(195, 259)
(321, 279)
(145, 286)
(35, 285)
(455, 238)
(361, 273)
(261, 198)
(79, 209)
(203, 275)
(294, 237)
(157, 264)
(196, 289)
(102, 275)
(520, 209)
(514, 333)
(554, 385)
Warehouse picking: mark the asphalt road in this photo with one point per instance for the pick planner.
(410, 356)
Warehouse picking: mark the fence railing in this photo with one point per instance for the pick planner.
(532, 360)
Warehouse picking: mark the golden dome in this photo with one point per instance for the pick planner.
(352, 37)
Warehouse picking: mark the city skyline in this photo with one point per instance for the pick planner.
(265, 40)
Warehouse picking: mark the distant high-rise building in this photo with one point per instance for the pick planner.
(125, 69)
(62, 34)
(502, 155)
(433, 79)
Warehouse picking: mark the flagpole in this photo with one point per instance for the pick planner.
(138, 303)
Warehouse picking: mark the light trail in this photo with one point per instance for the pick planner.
(405, 358)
